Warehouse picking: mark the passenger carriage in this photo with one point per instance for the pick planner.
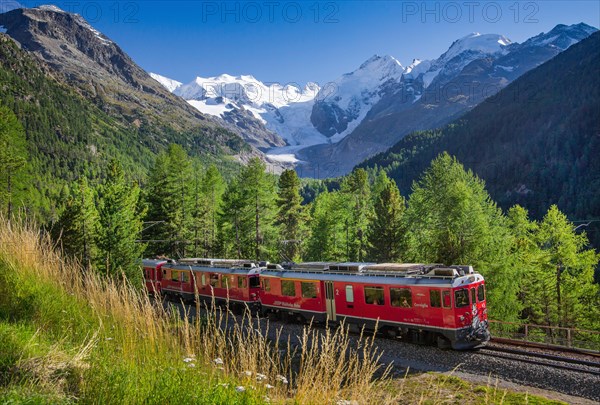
(152, 272)
(234, 281)
(423, 303)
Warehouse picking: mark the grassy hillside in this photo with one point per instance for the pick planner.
(69, 136)
(535, 143)
(69, 337)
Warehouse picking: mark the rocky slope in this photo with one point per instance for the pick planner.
(101, 71)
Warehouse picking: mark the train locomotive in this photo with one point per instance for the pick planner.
(423, 303)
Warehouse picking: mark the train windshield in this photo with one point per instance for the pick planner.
(254, 282)
(461, 298)
(480, 293)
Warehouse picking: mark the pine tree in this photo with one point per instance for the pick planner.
(290, 215)
(78, 225)
(386, 230)
(13, 162)
(120, 227)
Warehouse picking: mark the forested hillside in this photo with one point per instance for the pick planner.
(68, 136)
(535, 143)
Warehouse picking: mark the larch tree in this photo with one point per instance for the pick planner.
(234, 222)
(157, 195)
(14, 183)
(357, 189)
(171, 203)
(119, 251)
(78, 225)
(570, 264)
(258, 190)
(452, 219)
(290, 215)
(386, 230)
(212, 188)
(329, 233)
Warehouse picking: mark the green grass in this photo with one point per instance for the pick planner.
(66, 337)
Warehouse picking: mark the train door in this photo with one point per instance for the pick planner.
(330, 300)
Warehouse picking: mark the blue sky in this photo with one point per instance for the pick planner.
(294, 41)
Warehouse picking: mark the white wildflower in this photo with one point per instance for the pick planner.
(281, 379)
(188, 360)
(260, 377)
(248, 373)
(108, 338)
(239, 388)
(191, 365)
(269, 386)
(218, 361)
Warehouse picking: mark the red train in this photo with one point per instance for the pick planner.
(224, 280)
(423, 303)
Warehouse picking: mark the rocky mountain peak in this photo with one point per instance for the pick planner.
(561, 36)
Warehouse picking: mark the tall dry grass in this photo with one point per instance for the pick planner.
(220, 356)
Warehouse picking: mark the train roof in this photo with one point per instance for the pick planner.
(215, 262)
(153, 262)
(245, 269)
(386, 274)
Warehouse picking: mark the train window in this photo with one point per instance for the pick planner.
(349, 293)
(446, 299)
(266, 284)
(224, 281)
(481, 293)
(242, 283)
(461, 298)
(254, 282)
(214, 279)
(309, 290)
(174, 275)
(401, 297)
(472, 296)
(185, 277)
(435, 298)
(203, 279)
(374, 295)
(288, 288)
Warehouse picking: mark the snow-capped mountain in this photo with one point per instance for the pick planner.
(364, 112)
(432, 93)
(342, 104)
(282, 109)
(167, 83)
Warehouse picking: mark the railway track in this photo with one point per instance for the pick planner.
(543, 359)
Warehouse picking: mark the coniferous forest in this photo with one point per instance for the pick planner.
(134, 199)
